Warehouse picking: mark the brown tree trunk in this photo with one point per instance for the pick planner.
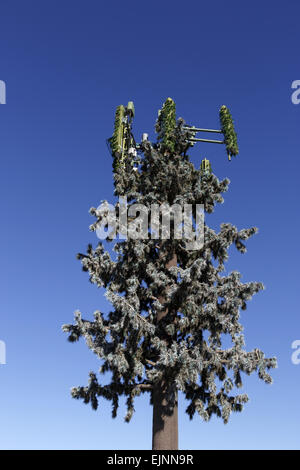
(165, 425)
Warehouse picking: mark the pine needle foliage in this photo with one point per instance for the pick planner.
(185, 348)
(165, 125)
(227, 128)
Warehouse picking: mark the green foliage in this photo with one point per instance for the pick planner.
(165, 125)
(227, 128)
(116, 141)
(122, 142)
(205, 167)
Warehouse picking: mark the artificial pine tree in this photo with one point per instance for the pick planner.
(171, 305)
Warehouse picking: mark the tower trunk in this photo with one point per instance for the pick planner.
(165, 422)
(165, 426)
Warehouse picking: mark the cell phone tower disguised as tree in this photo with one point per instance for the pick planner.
(171, 305)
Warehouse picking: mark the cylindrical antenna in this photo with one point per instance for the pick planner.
(197, 129)
(206, 140)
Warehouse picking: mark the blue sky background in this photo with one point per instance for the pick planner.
(67, 65)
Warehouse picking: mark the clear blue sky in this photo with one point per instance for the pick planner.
(67, 65)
